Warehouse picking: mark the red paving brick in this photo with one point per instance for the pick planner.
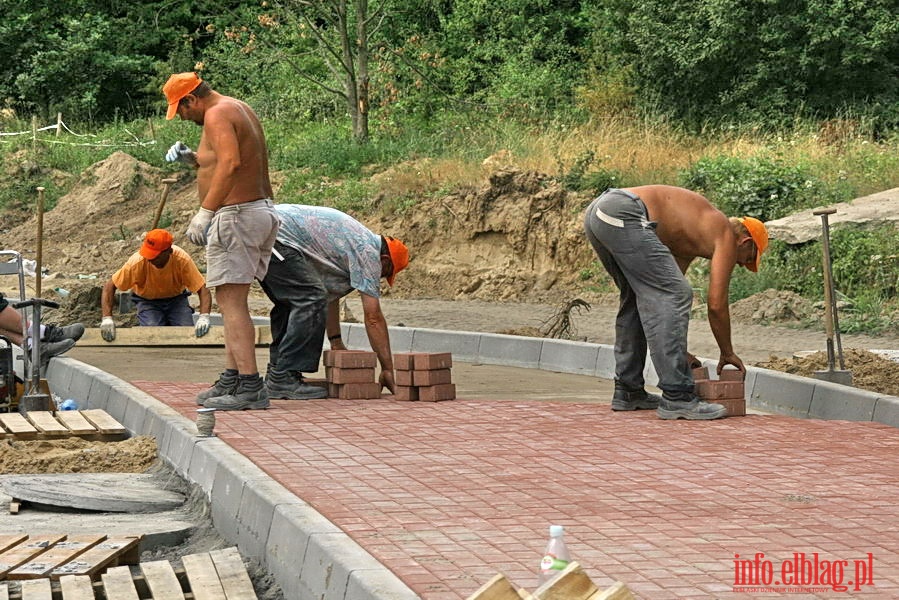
(447, 494)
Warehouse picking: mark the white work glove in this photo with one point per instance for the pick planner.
(202, 327)
(199, 226)
(180, 152)
(107, 329)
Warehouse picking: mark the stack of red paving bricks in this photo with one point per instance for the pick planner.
(425, 376)
(728, 390)
(351, 374)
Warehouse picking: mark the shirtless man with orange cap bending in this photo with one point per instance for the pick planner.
(646, 237)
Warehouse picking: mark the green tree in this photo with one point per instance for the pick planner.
(770, 60)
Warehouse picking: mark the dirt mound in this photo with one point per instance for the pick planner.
(98, 224)
(772, 306)
(519, 236)
(75, 455)
(870, 371)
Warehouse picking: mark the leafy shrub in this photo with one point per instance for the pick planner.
(580, 178)
(759, 187)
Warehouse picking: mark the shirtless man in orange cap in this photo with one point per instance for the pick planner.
(646, 237)
(236, 221)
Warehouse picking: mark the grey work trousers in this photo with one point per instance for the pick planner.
(298, 315)
(655, 297)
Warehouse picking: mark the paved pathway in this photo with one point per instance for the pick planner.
(447, 494)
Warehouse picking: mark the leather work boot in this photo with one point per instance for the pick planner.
(249, 394)
(50, 349)
(289, 385)
(637, 400)
(693, 410)
(55, 333)
(224, 385)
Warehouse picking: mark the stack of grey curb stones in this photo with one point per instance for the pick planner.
(309, 557)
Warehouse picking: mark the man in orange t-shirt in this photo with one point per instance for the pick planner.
(161, 276)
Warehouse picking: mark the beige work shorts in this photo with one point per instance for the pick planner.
(240, 242)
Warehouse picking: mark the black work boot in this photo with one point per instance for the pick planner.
(623, 399)
(249, 394)
(224, 385)
(55, 333)
(290, 385)
(689, 407)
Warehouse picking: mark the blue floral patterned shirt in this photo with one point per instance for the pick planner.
(345, 252)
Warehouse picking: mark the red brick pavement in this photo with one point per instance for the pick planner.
(447, 494)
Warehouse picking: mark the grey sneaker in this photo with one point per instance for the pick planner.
(693, 410)
(242, 398)
(289, 386)
(638, 400)
(50, 349)
(55, 333)
(224, 385)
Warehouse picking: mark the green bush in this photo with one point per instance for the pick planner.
(759, 187)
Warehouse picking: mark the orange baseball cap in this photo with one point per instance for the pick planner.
(177, 87)
(759, 235)
(156, 242)
(399, 256)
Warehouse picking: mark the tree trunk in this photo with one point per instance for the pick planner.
(360, 124)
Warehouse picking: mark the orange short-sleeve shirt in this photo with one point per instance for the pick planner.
(179, 274)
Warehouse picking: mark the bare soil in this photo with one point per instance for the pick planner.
(76, 455)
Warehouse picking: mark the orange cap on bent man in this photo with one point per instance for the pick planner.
(759, 235)
(399, 255)
(156, 242)
(177, 87)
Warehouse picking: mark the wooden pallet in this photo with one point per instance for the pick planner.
(94, 424)
(571, 584)
(214, 575)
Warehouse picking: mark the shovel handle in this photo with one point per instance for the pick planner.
(167, 184)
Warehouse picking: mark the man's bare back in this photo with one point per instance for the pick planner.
(688, 224)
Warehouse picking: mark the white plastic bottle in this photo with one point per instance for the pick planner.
(555, 557)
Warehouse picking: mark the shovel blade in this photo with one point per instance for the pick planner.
(843, 377)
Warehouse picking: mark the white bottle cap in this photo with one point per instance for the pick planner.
(556, 530)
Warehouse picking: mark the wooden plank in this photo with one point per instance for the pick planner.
(25, 551)
(618, 591)
(75, 421)
(59, 554)
(76, 587)
(162, 580)
(103, 421)
(98, 557)
(46, 423)
(233, 574)
(119, 585)
(498, 588)
(168, 336)
(37, 589)
(8, 541)
(17, 424)
(572, 583)
(203, 578)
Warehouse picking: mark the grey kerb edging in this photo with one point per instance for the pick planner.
(312, 559)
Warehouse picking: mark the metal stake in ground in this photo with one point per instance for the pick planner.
(165, 194)
(831, 320)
